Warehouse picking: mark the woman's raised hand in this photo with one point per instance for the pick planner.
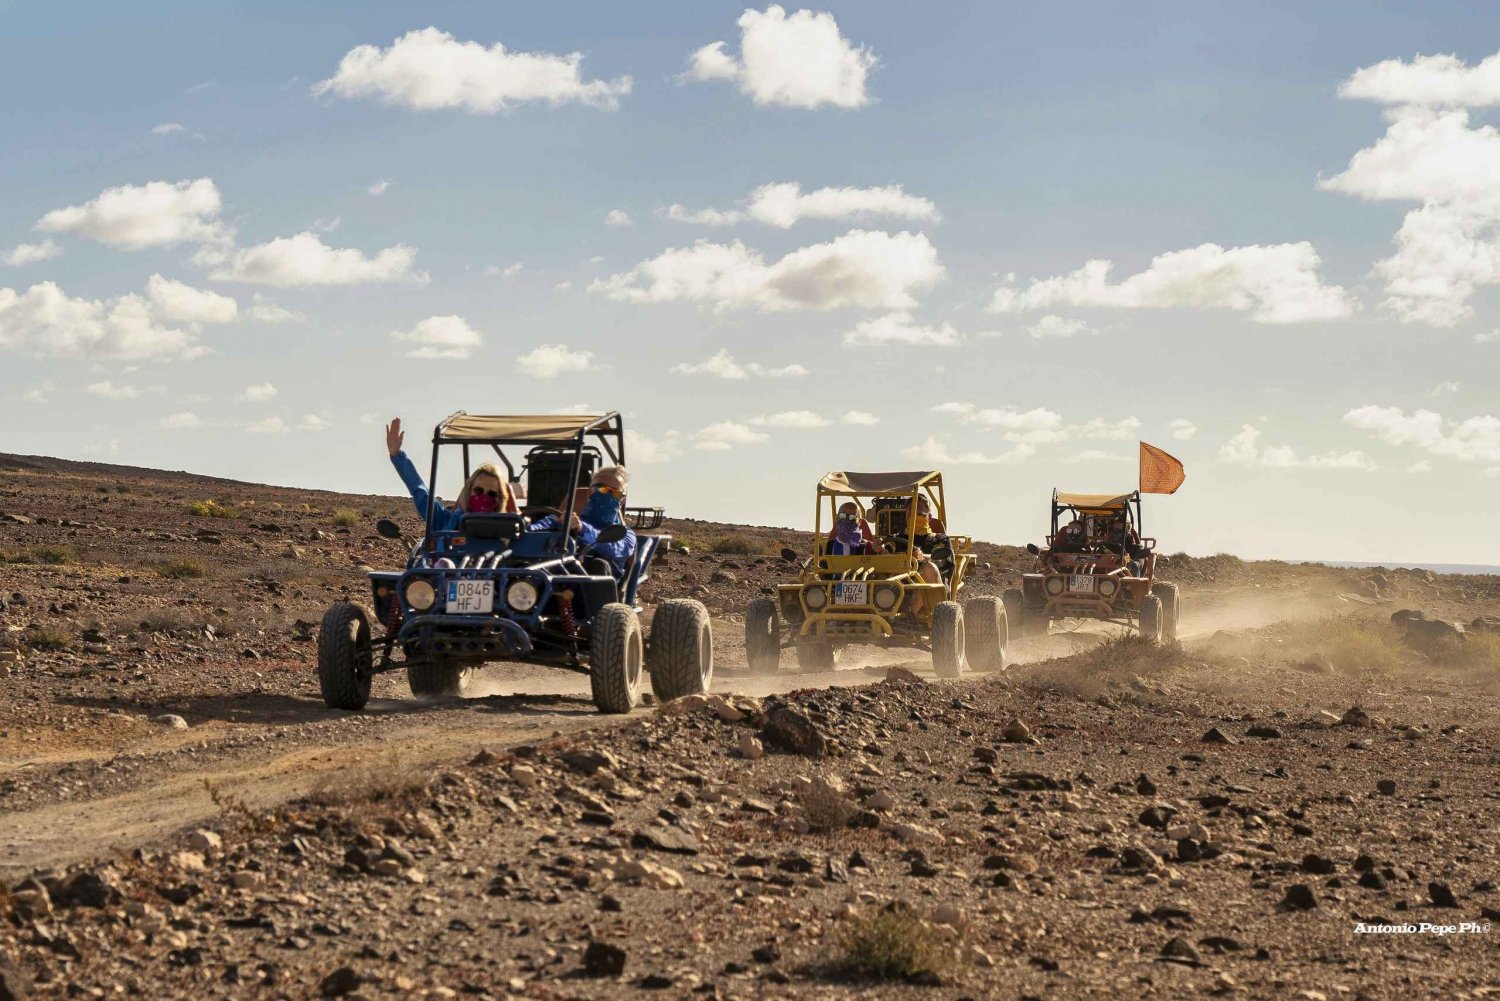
(394, 436)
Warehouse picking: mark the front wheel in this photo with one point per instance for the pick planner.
(438, 680)
(1171, 609)
(1152, 612)
(948, 639)
(346, 660)
(986, 633)
(617, 656)
(763, 636)
(680, 659)
(815, 656)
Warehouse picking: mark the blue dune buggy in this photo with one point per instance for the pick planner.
(494, 588)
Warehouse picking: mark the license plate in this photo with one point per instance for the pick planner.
(851, 593)
(471, 597)
(1081, 582)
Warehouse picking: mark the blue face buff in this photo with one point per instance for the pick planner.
(603, 508)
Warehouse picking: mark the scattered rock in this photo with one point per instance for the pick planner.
(1441, 895)
(1018, 732)
(601, 959)
(1299, 897)
(793, 731)
(1216, 736)
(171, 720)
(205, 841)
(1386, 787)
(1264, 732)
(1180, 950)
(341, 981)
(750, 747)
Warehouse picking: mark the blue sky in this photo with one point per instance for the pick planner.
(1340, 407)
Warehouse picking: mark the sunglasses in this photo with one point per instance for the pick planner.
(481, 491)
(600, 488)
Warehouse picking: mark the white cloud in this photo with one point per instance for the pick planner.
(30, 253)
(181, 421)
(1097, 455)
(1183, 429)
(157, 214)
(176, 302)
(305, 260)
(1052, 325)
(258, 393)
(722, 365)
(380, 187)
(791, 420)
(1039, 424)
(617, 217)
(440, 337)
(1420, 466)
(44, 320)
(312, 422)
(503, 272)
(268, 425)
(41, 393)
(574, 409)
(597, 259)
(109, 391)
(1491, 337)
(932, 452)
(1447, 388)
(796, 61)
(784, 205)
(1245, 449)
(266, 311)
(899, 328)
(861, 269)
(1275, 284)
(1435, 81)
(860, 418)
(167, 129)
(562, 286)
(1475, 439)
(642, 450)
(724, 435)
(548, 361)
(429, 69)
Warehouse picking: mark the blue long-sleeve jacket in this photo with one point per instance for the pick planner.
(445, 519)
(617, 554)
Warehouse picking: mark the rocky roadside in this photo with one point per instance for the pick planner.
(994, 838)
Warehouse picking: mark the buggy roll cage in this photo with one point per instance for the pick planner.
(858, 487)
(550, 433)
(1099, 505)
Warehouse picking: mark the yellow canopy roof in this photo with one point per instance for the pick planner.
(523, 428)
(865, 484)
(1094, 502)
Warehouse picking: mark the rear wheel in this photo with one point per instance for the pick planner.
(346, 661)
(438, 680)
(1152, 613)
(948, 639)
(1171, 606)
(617, 657)
(815, 656)
(986, 633)
(763, 636)
(680, 659)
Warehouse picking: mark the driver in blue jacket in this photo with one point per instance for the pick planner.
(606, 501)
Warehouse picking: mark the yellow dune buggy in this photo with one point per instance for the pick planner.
(879, 593)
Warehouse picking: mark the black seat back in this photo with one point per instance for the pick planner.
(549, 475)
(890, 516)
(492, 526)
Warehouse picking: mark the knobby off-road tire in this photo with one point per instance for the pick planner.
(1171, 607)
(1152, 613)
(948, 639)
(763, 636)
(438, 680)
(346, 660)
(617, 658)
(986, 633)
(815, 656)
(680, 658)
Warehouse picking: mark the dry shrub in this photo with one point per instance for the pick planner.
(1476, 652)
(1358, 646)
(210, 509)
(381, 780)
(47, 638)
(16, 556)
(1107, 664)
(825, 804)
(894, 943)
(734, 545)
(345, 518)
(181, 570)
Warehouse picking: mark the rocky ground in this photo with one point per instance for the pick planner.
(1103, 819)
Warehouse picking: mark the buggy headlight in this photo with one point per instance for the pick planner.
(420, 595)
(1056, 585)
(1107, 587)
(521, 595)
(815, 597)
(886, 597)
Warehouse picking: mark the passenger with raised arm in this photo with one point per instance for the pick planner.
(485, 492)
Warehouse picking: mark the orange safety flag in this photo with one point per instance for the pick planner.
(1160, 472)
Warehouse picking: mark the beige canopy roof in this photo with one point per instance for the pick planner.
(865, 484)
(523, 428)
(1094, 502)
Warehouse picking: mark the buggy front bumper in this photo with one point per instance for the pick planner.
(465, 634)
